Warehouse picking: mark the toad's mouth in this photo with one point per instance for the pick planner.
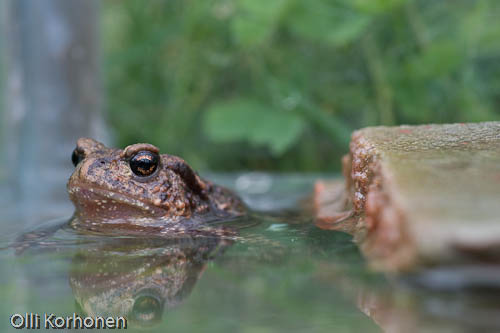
(96, 201)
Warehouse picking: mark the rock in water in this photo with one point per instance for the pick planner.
(419, 196)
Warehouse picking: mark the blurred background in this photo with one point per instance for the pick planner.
(280, 85)
(261, 85)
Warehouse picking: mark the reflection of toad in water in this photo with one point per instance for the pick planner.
(138, 192)
(140, 278)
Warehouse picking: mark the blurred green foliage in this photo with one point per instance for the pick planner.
(280, 85)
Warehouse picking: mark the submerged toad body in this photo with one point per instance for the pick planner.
(138, 186)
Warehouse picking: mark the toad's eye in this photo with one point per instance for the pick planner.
(147, 309)
(77, 156)
(144, 163)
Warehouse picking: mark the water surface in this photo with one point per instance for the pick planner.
(273, 272)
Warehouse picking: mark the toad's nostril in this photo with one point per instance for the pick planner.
(77, 156)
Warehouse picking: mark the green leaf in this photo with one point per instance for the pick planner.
(480, 28)
(439, 59)
(377, 6)
(251, 121)
(255, 20)
(249, 31)
(327, 22)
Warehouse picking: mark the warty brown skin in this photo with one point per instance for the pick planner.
(105, 190)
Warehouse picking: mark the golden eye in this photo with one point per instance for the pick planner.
(144, 163)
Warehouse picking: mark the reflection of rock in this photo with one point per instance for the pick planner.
(140, 278)
(416, 310)
(412, 304)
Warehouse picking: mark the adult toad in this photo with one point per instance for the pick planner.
(138, 187)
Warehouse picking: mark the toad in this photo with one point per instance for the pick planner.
(137, 187)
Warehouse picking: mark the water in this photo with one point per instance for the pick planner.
(272, 272)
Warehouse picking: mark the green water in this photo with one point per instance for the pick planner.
(273, 272)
